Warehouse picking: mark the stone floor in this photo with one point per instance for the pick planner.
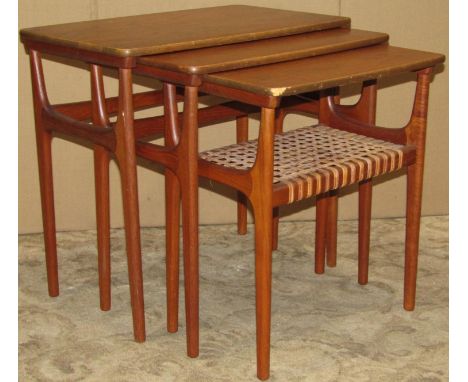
(324, 327)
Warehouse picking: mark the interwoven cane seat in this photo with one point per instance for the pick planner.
(315, 159)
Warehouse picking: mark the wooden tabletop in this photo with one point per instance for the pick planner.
(267, 51)
(336, 69)
(181, 30)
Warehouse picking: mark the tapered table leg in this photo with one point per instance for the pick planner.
(171, 138)
(413, 219)
(172, 250)
(417, 136)
(331, 231)
(125, 154)
(261, 198)
(320, 232)
(365, 206)
(263, 258)
(44, 157)
(188, 177)
(101, 176)
(101, 180)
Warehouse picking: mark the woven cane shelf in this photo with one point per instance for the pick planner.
(316, 159)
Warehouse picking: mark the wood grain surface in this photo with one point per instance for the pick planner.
(181, 30)
(267, 51)
(337, 69)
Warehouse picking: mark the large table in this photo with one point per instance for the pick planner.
(118, 43)
(264, 56)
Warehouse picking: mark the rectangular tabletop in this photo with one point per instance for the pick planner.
(181, 30)
(336, 69)
(267, 51)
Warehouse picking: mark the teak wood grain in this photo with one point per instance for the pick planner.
(180, 30)
(273, 50)
(331, 70)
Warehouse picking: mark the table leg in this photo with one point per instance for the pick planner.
(44, 156)
(125, 155)
(172, 186)
(320, 232)
(263, 258)
(365, 206)
(331, 230)
(365, 112)
(172, 249)
(262, 205)
(413, 218)
(188, 177)
(101, 181)
(101, 176)
(416, 133)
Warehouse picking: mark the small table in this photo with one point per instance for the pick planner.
(265, 86)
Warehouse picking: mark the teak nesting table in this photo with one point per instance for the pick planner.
(256, 57)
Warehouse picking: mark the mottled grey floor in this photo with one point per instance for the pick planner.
(324, 328)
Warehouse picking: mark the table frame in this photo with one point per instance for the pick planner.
(180, 157)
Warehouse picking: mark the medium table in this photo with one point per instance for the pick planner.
(189, 69)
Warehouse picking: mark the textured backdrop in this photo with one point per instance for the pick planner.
(325, 328)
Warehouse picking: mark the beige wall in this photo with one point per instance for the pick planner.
(419, 24)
